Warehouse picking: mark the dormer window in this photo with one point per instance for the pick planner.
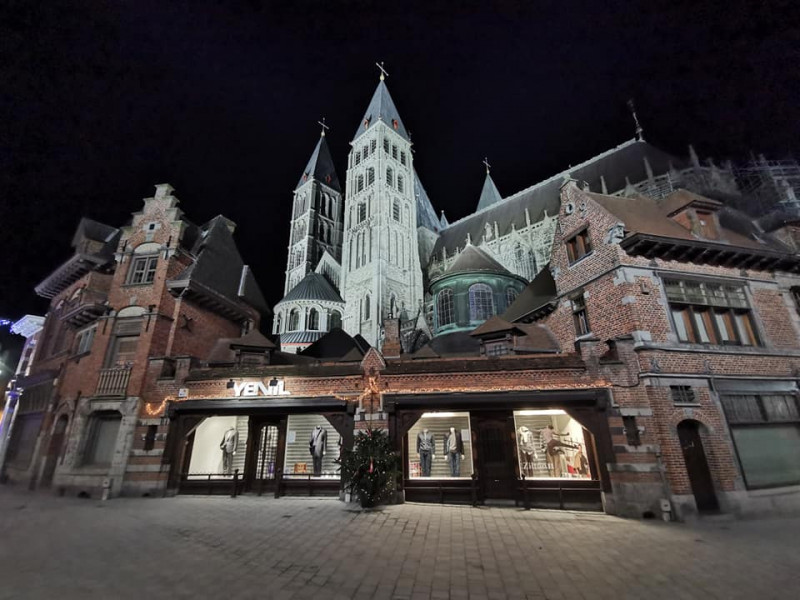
(706, 227)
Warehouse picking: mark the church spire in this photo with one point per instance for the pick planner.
(382, 108)
(489, 194)
(320, 165)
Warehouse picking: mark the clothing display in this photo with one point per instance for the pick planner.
(426, 447)
(453, 451)
(317, 446)
(230, 440)
(526, 442)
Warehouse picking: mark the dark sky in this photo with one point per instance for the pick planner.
(99, 101)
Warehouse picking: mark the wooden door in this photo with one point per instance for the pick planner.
(495, 453)
(697, 466)
(54, 451)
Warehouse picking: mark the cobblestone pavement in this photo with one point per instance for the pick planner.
(224, 548)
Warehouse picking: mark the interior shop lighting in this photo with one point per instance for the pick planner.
(548, 411)
(439, 415)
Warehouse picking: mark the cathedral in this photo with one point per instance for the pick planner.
(372, 247)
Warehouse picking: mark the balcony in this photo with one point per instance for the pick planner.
(114, 381)
(88, 303)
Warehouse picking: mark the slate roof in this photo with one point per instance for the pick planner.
(300, 337)
(536, 294)
(320, 167)
(223, 351)
(337, 345)
(313, 286)
(426, 216)
(529, 337)
(489, 194)
(381, 107)
(458, 343)
(626, 160)
(475, 260)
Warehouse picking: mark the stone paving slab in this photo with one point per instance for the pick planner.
(296, 548)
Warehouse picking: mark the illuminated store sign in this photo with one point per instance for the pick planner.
(274, 387)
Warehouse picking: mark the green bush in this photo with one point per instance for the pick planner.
(369, 470)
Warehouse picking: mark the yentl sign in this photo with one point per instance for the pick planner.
(246, 389)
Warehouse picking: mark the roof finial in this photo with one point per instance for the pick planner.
(324, 127)
(639, 130)
(384, 73)
(488, 166)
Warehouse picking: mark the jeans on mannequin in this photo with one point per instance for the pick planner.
(454, 458)
(425, 462)
(317, 460)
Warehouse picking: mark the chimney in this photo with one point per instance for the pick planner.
(391, 338)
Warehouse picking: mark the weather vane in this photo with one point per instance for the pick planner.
(488, 166)
(384, 72)
(324, 127)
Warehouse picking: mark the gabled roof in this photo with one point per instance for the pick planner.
(537, 294)
(382, 108)
(224, 349)
(337, 345)
(474, 260)
(426, 216)
(489, 194)
(612, 167)
(320, 167)
(313, 286)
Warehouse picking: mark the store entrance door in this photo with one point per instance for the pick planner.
(495, 453)
(264, 456)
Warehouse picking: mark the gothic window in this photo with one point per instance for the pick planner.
(365, 151)
(336, 319)
(445, 315)
(386, 145)
(278, 323)
(399, 183)
(366, 308)
(370, 176)
(481, 302)
(511, 295)
(372, 145)
(363, 249)
(402, 158)
(359, 183)
(389, 176)
(358, 157)
(362, 212)
(396, 210)
(313, 320)
(394, 152)
(294, 320)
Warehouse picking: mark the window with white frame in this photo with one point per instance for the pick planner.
(142, 269)
(84, 339)
(445, 313)
(481, 302)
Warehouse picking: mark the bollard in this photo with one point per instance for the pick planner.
(235, 483)
(106, 488)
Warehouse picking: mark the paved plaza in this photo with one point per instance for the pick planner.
(248, 547)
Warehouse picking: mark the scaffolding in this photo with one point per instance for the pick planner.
(767, 183)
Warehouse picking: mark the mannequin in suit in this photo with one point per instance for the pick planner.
(426, 450)
(317, 446)
(527, 450)
(230, 440)
(454, 451)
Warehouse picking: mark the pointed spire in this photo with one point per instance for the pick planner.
(443, 222)
(489, 194)
(382, 108)
(320, 166)
(693, 157)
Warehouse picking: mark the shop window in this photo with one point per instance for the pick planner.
(83, 341)
(103, 431)
(313, 320)
(440, 446)
(294, 320)
(396, 210)
(312, 448)
(580, 316)
(142, 270)
(219, 448)
(578, 246)
(481, 302)
(550, 444)
(682, 394)
(445, 313)
(766, 431)
(336, 320)
(710, 313)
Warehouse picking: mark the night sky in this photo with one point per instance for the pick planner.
(99, 101)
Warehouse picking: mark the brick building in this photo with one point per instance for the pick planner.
(159, 286)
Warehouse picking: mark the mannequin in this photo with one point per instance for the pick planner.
(426, 450)
(317, 446)
(554, 451)
(527, 450)
(454, 451)
(230, 439)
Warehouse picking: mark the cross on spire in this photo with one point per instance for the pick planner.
(639, 129)
(324, 126)
(488, 166)
(384, 73)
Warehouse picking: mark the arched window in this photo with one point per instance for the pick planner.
(335, 320)
(372, 145)
(358, 157)
(511, 295)
(389, 176)
(313, 320)
(399, 183)
(396, 210)
(481, 302)
(359, 183)
(294, 320)
(370, 176)
(278, 323)
(445, 315)
(366, 308)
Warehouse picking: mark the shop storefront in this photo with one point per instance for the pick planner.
(544, 449)
(259, 445)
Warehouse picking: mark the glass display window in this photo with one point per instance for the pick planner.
(550, 443)
(219, 447)
(440, 446)
(312, 448)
